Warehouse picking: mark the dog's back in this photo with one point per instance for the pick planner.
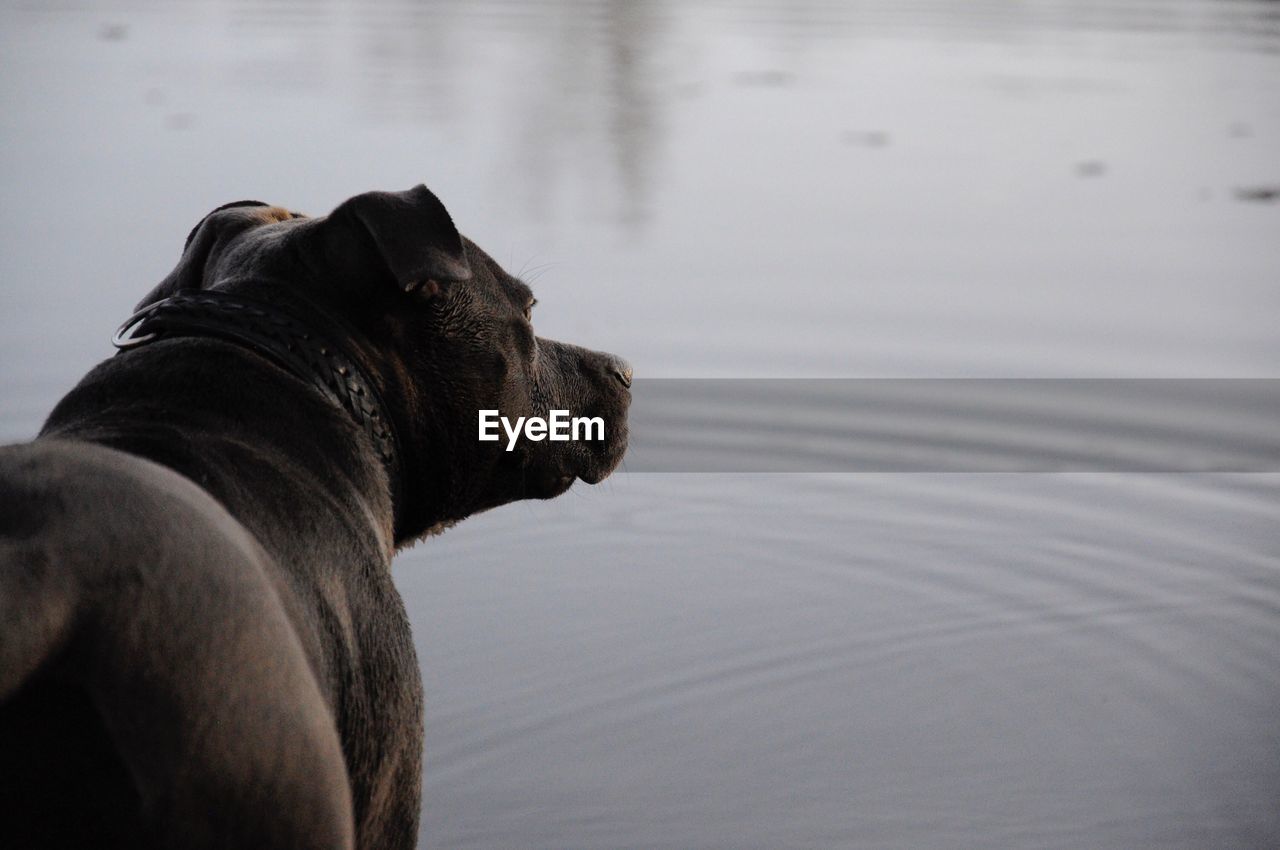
(123, 635)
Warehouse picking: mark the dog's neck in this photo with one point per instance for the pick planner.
(293, 338)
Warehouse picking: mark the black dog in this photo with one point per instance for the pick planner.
(200, 642)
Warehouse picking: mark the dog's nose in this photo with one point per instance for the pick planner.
(620, 369)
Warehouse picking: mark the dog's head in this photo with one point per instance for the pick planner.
(444, 331)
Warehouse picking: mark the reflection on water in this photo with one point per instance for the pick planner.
(994, 189)
(589, 83)
(577, 81)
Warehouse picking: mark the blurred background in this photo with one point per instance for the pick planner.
(717, 189)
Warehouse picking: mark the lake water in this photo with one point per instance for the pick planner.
(965, 613)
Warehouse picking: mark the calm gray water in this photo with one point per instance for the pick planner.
(931, 655)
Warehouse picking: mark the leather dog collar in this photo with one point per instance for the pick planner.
(285, 340)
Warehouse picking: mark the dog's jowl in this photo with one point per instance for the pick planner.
(200, 642)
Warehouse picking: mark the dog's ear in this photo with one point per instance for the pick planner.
(413, 234)
(188, 274)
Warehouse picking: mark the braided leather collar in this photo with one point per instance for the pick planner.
(285, 340)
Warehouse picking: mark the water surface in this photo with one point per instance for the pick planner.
(929, 655)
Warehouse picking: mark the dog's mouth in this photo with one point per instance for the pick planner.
(599, 472)
(546, 484)
(555, 483)
(603, 464)
(555, 479)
